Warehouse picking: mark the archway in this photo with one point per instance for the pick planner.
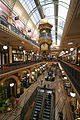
(11, 87)
(25, 79)
(12, 81)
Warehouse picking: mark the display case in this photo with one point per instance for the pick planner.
(17, 55)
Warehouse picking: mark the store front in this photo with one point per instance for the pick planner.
(11, 88)
(25, 80)
(17, 55)
(4, 55)
(33, 77)
(8, 93)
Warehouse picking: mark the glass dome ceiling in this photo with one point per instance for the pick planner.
(54, 10)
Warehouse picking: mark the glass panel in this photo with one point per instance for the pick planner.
(62, 12)
(29, 6)
(48, 10)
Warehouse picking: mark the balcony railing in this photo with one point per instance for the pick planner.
(14, 66)
(73, 73)
(17, 65)
(14, 29)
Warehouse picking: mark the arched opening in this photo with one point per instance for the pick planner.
(11, 88)
(25, 79)
(8, 93)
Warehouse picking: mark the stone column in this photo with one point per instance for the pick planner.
(10, 54)
(18, 89)
(30, 75)
(24, 56)
(76, 55)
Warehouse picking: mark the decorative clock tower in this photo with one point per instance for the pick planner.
(45, 38)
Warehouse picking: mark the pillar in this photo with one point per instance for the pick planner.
(31, 57)
(76, 55)
(30, 75)
(15, 90)
(18, 88)
(10, 54)
(24, 56)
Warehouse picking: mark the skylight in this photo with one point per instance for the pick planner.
(48, 7)
(29, 5)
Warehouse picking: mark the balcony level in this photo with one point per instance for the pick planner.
(73, 72)
(12, 34)
(8, 69)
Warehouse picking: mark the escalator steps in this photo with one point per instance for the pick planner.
(46, 116)
(48, 113)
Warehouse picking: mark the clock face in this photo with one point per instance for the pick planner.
(44, 46)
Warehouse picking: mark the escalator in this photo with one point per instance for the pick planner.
(38, 106)
(42, 109)
(47, 108)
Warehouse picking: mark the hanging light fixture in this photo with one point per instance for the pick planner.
(65, 78)
(35, 69)
(32, 53)
(11, 84)
(5, 47)
(28, 74)
(71, 49)
(70, 43)
(72, 94)
(66, 51)
(24, 51)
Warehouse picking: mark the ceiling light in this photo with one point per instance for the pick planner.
(12, 84)
(66, 51)
(72, 94)
(24, 51)
(65, 78)
(33, 73)
(28, 74)
(79, 51)
(35, 69)
(71, 49)
(62, 71)
(70, 43)
(32, 53)
(5, 47)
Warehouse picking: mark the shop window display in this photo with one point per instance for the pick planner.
(17, 55)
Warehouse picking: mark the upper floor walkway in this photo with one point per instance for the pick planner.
(18, 66)
(73, 73)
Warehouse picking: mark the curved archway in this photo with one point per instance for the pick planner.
(25, 78)
(13, 84)
(13, 77)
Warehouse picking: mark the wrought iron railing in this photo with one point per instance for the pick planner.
(14, 29)
(73, 73)
(14, 66)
